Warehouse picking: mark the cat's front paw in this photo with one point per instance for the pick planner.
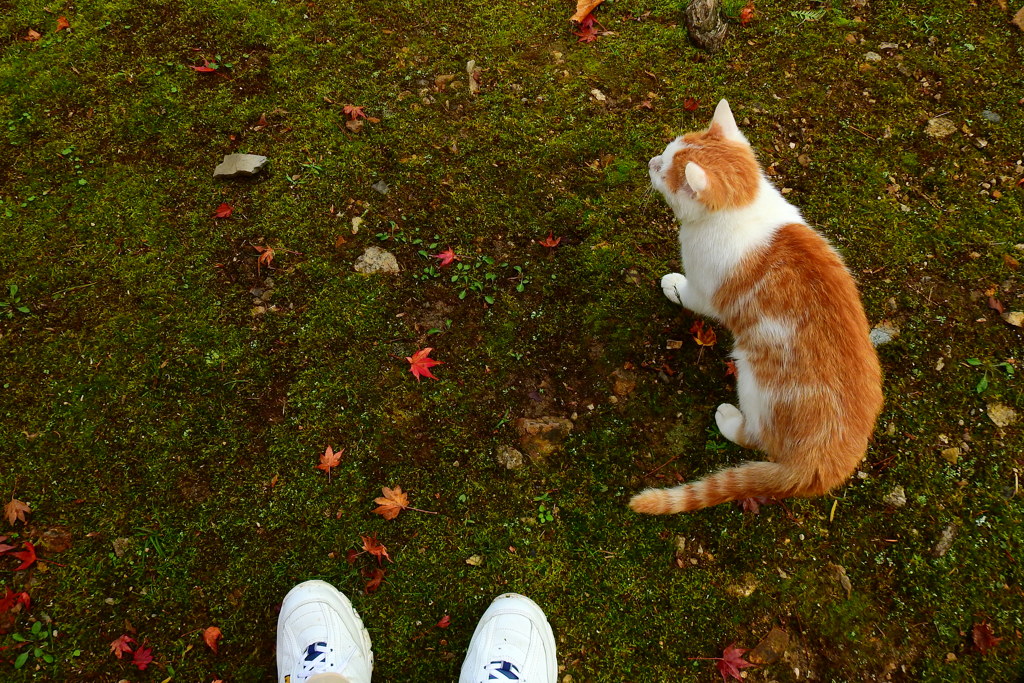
(673, 285)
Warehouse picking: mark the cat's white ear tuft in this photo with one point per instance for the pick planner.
(696, 178)
(727, 122)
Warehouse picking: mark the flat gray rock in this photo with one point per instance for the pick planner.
(375, 260)
(883, 333)
(239, 165)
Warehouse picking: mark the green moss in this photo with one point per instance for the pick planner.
(169, 417)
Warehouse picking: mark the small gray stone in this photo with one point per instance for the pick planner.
(375, 260)
(883, 333)
(509, 457)
(888, 46)
(872, 57)
(381, 187)
(945, 541)
(939, 128)
(990, 115)
(239, 164)
(121, 546)
(897, 498)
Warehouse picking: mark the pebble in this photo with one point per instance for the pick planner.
(990, 115)
(939, 128)
(1000, 414)
(376, 260)
(883, 333)
(897, 498)
(239, 165)
(945, 541)
(381, 187)
(872, 57)
(509, 457)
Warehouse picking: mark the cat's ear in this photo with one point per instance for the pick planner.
(696, 178)
(726, 122)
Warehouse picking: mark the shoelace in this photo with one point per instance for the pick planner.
(502, 671)
(319, 659)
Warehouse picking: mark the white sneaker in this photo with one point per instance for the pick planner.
(320, 637)
(512, 642)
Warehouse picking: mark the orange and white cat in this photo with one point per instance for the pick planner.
(807, 376)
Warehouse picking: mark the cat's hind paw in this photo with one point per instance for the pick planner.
(730, 422)
(673, 285)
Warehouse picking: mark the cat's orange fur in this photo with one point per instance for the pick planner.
(808, 370)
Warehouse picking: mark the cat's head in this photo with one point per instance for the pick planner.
(708, 171)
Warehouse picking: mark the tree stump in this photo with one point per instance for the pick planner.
(705, 25)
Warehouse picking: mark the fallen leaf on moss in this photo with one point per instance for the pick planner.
(210, 636)
(27, 556)
(731, 662)
(329, 459)
(375, 548)
(375, 576)
(584, 8)
(15, 511)
(391, 503)
(421, 362)
(121, 645)
(984, 638)
(223, 211)
(142, 657)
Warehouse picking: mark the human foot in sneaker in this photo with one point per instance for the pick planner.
(512, 642)
(320, 638)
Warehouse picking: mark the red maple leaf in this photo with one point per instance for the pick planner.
(121, 645)
(11, 599)
(446, 257)
(984, 637)
(730, 663)
(266, 256)
(62, 23)
(704, 336)
(420, 363)
(747, 13)
(375, 576)
(691, 104)
(444, 622)
(142, 656)
(351, 556)
(587, 32)
(223, 211)
(353, 112)
(3, 546)
(730, 369)
(205, 68)
(550, 241)
(375, 548)
(27, 557)
(330, 459)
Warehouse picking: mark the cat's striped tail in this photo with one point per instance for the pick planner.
(749, 480)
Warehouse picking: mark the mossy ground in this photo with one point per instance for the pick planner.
(144, 399)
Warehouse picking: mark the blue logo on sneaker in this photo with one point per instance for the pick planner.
(508, 671)
(312, 653)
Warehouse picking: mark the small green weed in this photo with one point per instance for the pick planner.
(37, 644)
(545, 514)
(990, 369)
(13, 303)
